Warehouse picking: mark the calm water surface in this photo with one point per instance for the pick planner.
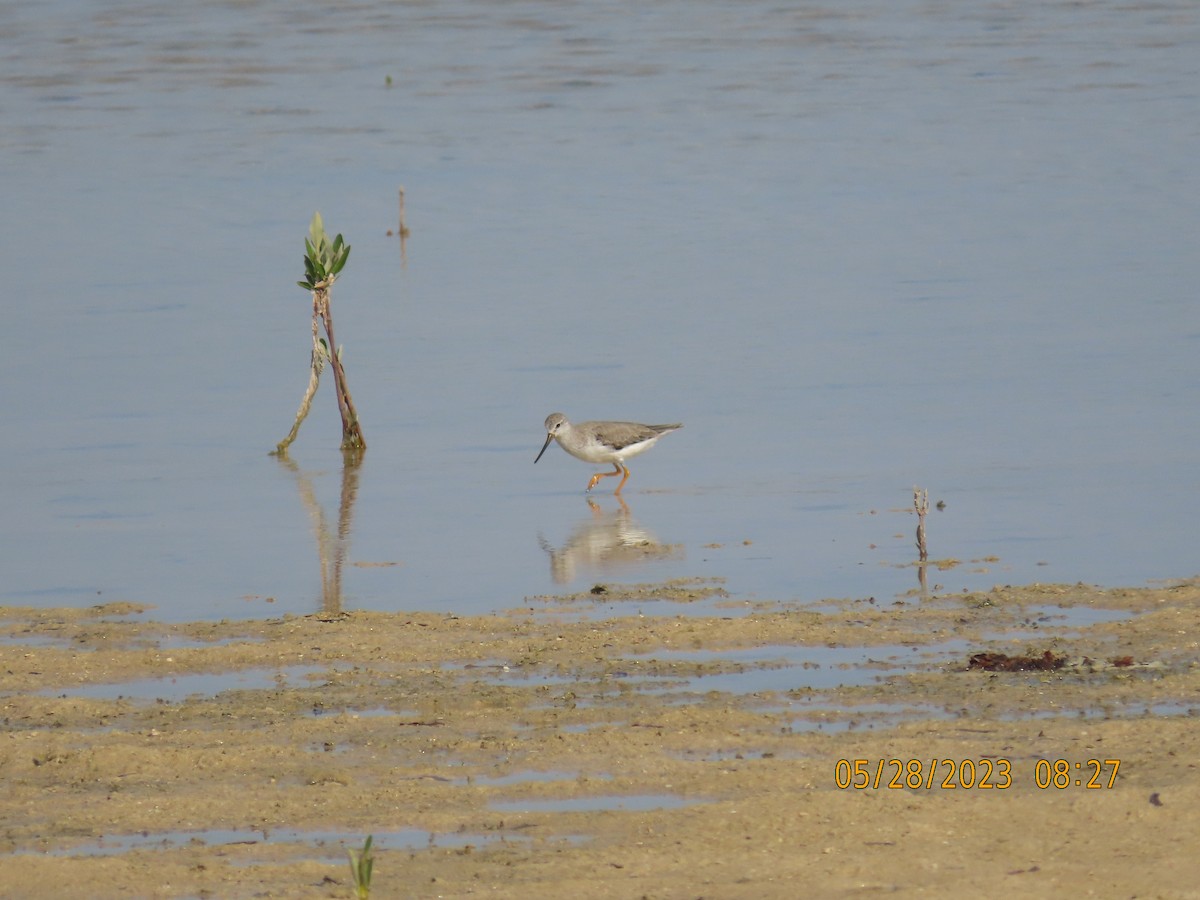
(855, 247)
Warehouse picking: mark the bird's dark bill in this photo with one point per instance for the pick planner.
(549, 438)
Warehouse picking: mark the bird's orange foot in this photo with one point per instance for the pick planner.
(617, 470)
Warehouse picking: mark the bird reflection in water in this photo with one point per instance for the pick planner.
(606, 542)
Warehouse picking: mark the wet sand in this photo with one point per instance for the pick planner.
(564, 750)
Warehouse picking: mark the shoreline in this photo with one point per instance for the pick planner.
(544, 751)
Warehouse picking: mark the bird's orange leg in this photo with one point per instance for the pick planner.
(617, 492)
(616, 471)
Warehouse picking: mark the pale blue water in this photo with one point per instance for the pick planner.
(330, 845)
(854, 247)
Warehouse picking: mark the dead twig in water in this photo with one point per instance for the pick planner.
(921, 504)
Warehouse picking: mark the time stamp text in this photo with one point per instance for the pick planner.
(982, 774)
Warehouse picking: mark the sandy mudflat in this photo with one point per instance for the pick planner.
(567, 750)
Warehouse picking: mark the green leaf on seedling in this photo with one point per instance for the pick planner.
(322, 260)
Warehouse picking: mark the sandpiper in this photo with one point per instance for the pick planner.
(603, 442)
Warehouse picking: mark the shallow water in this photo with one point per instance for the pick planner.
(326, 844)
(854, 248)
(608, 803)
(175, 688)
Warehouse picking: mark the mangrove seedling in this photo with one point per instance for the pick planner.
(323, 262)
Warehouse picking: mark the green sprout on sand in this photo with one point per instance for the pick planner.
(361, 863)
